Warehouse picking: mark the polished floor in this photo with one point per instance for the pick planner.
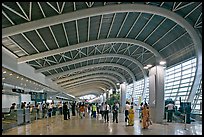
(90, 126)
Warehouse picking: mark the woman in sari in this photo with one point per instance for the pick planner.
(145, 117)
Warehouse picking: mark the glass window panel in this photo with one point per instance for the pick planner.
(184, 85)
(173, 94)
(183, 89)
(177, 70)
(186, 72)
(187, 63)
(185, 80)
(177, 74)
(181, 93)
(176, 86)
(178, 66)
(186, 76)
(176, 82)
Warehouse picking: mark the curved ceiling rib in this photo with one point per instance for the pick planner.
(96, 91)
(92, 66)
(95, 79)
(88, 44)
(103, 83)
(90, 84)
(88, 87)
(93, 57)
(91, 73)
(89, 77)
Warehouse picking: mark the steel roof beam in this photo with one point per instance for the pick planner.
(93, 57)
(90, 73)
(100, 84)
(89, 77)
(92, 66)
(113, 85)
(88, 44)
(104, 83)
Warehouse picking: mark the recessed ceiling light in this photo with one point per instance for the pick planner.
(3, 78)
(26, 80)
(17, 77)
(4, 72)
(149, 65)
(162, 62)
(21, 78)
(145, 67)
(11, 74)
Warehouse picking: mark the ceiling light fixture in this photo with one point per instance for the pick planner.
(149, 65)
(4, 72)
(145, 67)
(162, 62)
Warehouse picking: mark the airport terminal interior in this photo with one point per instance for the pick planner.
(102, 68)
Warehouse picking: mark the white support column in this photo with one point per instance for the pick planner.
(123, 88)
(156, 93)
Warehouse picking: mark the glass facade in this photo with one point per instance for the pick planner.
(178, 82)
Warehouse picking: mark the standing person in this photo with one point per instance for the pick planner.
(127, 107)
(145, 116)
(73, 108)
(68, 109)
(50, 109)
(140, 112)
(65, 109)
(94, 109)
(89, 108)
(44, 110)
(170, 111)
(115, 112)
(106, 111)
(97, 109)
(131, 116)
(60, 107)
(102, 110)
(81, 110)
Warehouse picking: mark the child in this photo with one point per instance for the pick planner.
(131, 116)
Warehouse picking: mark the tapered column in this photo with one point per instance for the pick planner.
(123, 88)
(156, 93)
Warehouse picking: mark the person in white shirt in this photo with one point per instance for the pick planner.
(127, 107)
(170, 110)
(106, 111)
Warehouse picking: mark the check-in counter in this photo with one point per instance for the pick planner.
(27, 115)
(20, 116)
(9, 118)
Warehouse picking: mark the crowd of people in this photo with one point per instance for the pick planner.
(94, 110)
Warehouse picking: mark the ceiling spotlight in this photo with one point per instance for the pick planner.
(145, 67)
(118, 84)
(149, 65)
(21, 78)
(3, 78)
(4, 72)
(162, 62)
(11, 74)
(17, 77)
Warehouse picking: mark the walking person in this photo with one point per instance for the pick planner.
(102, 110)
(68, 109)
(145, 116)
(131, 116)
(65, 109)
(106, 111)
(73, 108)
(170, 111)
(115, 112)
(94, 109)
(127, 107)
